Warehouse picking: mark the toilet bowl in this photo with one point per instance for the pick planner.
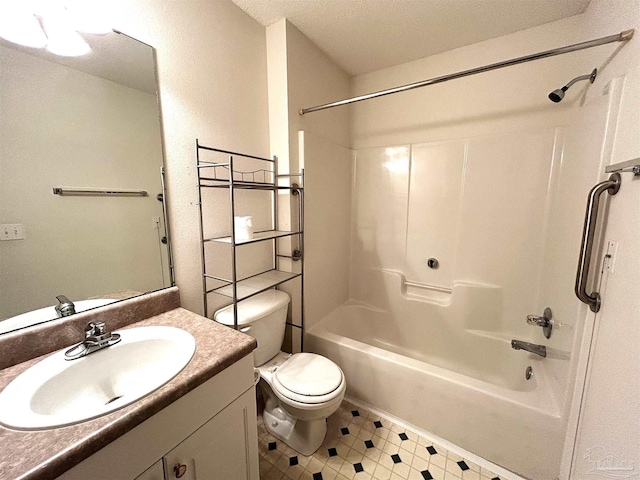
(300, 390)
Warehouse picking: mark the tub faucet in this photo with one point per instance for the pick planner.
(95, 338)
(529, 347)
(65, 306)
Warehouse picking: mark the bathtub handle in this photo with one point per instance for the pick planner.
(584, 260)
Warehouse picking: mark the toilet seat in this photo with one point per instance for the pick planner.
(309, 379)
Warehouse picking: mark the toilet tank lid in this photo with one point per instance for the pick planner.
(253, 308)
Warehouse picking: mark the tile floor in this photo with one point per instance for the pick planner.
(360, 446)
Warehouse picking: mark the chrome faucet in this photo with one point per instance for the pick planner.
(65, 306)
(529, 347)
(95, 338)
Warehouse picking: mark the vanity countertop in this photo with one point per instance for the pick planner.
(46, 454)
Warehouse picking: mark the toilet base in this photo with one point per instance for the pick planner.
(304, 436)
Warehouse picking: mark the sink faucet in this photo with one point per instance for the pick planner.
(65, 306)
(529, 347)
(95, 338)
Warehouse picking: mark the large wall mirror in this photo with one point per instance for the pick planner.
(87, 123)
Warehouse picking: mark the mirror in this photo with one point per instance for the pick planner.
(92, 123)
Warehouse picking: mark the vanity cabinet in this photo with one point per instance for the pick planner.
(208, 434)
(156, 472)
(217, 450)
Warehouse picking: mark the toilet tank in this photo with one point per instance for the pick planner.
(262, 316)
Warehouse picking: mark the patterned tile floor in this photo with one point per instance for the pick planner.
(361, 445)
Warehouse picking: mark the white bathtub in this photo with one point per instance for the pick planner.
(466, 386)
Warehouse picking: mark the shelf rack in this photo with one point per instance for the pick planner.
(223, 175)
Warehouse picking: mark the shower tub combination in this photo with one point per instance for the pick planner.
(464, 385)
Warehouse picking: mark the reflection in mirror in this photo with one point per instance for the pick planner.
(89, 122)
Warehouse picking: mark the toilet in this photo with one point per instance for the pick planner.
(300, 390)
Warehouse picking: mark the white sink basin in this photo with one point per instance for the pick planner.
(57, 392)
(48, 313)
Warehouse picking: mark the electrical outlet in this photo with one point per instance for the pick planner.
(11, 231)
(155, 223)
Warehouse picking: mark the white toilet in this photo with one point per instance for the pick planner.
(300, 390)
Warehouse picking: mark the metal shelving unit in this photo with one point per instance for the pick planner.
(223, 175)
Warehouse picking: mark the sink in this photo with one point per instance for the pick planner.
(47, 313)
(56, 392)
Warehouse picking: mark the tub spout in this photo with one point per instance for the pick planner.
(529, 347)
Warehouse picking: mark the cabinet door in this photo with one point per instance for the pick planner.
(156, 472)
(224, 448)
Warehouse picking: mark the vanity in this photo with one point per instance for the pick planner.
(199, 425)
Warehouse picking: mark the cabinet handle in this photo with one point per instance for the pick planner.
(180, 469)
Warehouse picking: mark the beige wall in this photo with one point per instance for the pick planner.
(507, 100)
(212, 71)
(301, 75)
(327, 225)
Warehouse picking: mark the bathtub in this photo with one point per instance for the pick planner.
(466, 386)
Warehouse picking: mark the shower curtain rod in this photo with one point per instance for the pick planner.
(620, 37)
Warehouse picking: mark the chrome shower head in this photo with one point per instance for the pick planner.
(557, 95)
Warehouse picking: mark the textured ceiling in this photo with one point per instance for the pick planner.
(362, 36)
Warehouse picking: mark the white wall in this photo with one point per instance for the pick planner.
(212, 70)
(64, 128)
(610, 413)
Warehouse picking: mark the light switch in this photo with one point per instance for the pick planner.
(11, 231)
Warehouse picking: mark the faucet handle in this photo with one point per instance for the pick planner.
(537, 320)
(545, 321)
(65, 306)
(94, 329)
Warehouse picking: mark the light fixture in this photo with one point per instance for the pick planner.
(63, 39)
(22, 22)
(19, 25)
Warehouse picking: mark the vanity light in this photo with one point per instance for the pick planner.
(19, 25)
(63, 39)
(22, 22)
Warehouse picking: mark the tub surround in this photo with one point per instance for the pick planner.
(47, 454)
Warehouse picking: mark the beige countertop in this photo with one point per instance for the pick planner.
(45, 454)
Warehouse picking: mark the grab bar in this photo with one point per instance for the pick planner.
(591, 217)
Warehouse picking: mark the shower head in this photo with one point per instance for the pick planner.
(557, 95)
